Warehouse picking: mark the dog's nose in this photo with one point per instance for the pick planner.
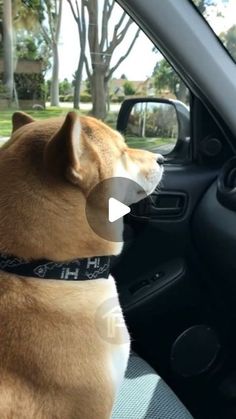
(160, 159)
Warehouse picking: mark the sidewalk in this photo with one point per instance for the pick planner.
(3, 140)
(114, 107)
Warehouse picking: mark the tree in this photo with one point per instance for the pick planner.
(229, 40)
(51, 33)
(129, 88)
(27, 14)
(202, 5)
(79, 16)
(8, 77)
(88, 86)
(65, 87)
(17, 14)
(101, 51)
(165, 77)
(102, 44)
(32, 46)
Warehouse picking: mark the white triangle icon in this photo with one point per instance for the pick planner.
(116, 210)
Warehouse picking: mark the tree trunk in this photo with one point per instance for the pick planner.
(107, 92)
(102, 47)
(55, 33)
(78, 81)
(8, 79)
(99, 97)
(55, 77)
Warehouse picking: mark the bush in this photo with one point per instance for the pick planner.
(29, 86)
(117, 99)
(3, 90)
(129, 88)
(68, 98)
(85, 98)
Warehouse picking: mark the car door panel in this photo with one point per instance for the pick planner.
(158, 239)
(157, 274)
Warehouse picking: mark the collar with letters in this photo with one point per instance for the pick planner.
(75, 270)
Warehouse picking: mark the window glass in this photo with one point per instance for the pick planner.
(84, 54)
(221, 16)
(153, 126)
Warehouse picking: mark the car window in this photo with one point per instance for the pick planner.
(220, 14)
(57, 55)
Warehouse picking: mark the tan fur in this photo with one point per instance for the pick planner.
(53, 361)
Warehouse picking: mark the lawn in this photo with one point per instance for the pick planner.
(151, 144)
(6, 115)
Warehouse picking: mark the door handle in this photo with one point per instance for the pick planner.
(167, 204)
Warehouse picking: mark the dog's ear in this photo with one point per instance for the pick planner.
(62, 152)
(19, 119)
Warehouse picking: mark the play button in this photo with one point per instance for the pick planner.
(116, 210)
(108, 202)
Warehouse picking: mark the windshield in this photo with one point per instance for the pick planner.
(221, 16)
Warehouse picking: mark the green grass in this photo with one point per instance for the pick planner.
(151, 144)
(6, 116)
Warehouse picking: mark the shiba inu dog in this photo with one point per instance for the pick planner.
(54, 360)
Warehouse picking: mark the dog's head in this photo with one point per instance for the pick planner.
(49, 167)
(86, 152)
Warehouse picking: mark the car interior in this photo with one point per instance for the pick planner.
(176, 274)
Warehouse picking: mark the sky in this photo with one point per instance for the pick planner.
(135, 67)
(227, 8)
(141, 61)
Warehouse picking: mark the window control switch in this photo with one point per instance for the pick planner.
(157, 276)
(139, 285)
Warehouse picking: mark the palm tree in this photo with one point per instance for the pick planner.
(17, 14)
(8, 77)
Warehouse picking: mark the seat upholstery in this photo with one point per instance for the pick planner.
(144, 395)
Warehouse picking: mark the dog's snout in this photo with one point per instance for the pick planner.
(160, 159)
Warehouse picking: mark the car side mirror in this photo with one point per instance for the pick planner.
(158, 125)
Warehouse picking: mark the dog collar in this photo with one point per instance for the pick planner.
(75, 270)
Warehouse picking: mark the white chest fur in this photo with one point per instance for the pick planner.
(115, 332)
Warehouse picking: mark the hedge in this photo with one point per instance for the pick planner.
(28, 86)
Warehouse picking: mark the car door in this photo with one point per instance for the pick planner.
(161, 277)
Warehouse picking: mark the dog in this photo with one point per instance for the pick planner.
(54, 359)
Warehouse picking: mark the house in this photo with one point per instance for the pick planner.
(142, 87)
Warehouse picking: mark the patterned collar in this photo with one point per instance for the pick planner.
(75, 270)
